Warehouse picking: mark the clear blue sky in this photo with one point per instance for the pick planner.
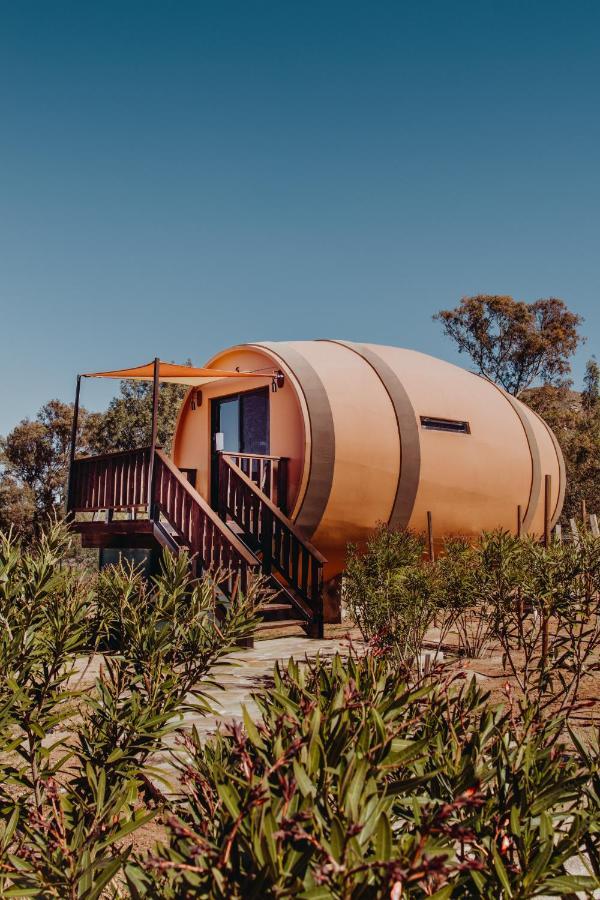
(179, 176)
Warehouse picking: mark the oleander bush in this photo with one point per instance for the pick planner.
(538, 607)
(363, 777)
(76, 774)
(391, 595)
(355, 783)
(462, 604)
(546, 608)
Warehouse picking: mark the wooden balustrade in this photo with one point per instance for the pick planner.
(120, 481)
(269, 474)
(111, 481)
(132, 480)
(197, 524)
(283, 547)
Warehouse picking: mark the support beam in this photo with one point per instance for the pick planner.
(430, 537)
(73, 447)
(547, 509)
(155, 390)
(547, 540)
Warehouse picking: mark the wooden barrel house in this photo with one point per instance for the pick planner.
(316, 442)
(377, 434)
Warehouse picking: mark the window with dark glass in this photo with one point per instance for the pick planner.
(431, 423)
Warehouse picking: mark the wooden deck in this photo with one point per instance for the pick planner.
(249, 536)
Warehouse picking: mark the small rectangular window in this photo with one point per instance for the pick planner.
(433, 424)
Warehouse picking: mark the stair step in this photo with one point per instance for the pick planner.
(278, 611)
(280, 623)
(284, 599)
(233, 526)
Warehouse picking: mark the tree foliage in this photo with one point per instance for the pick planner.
(17, 504)
(514, 343)
(590, 394)
(127, 423)
(34, 456)
(575, 419)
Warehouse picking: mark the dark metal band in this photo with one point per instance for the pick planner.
(408, 433)
(322, 432)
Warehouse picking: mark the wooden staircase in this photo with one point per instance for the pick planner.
(249, 535)
(292, 564)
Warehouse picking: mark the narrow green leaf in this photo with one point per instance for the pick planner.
(252, 730)
(383, 838)
(566, 884)
(305, 785)
(501, 871)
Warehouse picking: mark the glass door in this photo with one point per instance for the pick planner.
(239, 424)
(226, 421)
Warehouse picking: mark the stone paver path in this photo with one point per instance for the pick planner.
(246, 672)
(251, 670)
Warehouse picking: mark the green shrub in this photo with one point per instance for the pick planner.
(358, 780)
(391, 595)
(75, 764)
(539, 606)
(545, 603)
(462, 605)
(354, 785)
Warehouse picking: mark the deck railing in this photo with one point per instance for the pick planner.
(196, 523)
(268, 473)
(127, 480)
(112, 481)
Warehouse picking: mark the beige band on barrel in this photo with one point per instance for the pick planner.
(322, 444)
(408, 434)
(535, 491)
(562, 469)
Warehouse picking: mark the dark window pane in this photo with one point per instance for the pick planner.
(255, 422)
(432, 424)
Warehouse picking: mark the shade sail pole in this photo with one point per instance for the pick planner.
(155, 390)
(73, 447)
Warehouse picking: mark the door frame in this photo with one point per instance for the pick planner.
(213, 455)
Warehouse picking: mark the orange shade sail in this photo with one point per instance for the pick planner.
(169, 372)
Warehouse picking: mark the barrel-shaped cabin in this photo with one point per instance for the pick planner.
(284, 453)
(374, 434)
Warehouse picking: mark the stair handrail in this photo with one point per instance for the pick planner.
(277, 513)
(272, 477)
(207, 510)
(283, 547)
